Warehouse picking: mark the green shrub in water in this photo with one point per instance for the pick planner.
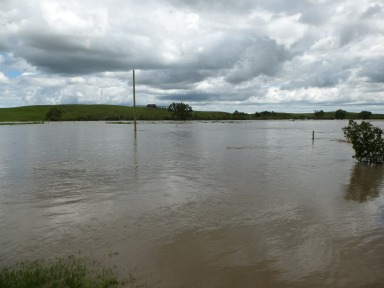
(367, 142)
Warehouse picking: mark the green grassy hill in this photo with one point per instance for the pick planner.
(21, 114)
(82, 112)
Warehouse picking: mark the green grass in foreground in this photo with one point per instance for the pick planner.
(69, 272)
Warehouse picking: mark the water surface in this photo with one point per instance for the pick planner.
(245, 204)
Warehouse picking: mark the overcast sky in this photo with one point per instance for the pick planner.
(250, 55)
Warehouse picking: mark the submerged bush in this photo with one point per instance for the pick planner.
(180, 111)
(366, 140)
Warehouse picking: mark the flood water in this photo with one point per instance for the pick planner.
(245, 204)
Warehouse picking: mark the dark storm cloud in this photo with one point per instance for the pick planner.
(70, 55)
(71, 62)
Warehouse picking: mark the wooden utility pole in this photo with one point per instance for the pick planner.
(134, 101)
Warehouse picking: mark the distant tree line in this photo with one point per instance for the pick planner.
(318, 114)
(183, 111)
(265, 114)
(363, 115)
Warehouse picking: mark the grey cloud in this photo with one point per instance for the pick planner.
(224, 52)
(72, 63)
(229, 95)
(374, 70)
(264, 57)
(316, 15)
(323, 78)
(376, 10)
(216, 56)
(171, 78)
(216, 5)
(353, 31)
(325, 72)
(3, 45)
(190, 97)
(74, 55)
(65, 55)
(292, 6)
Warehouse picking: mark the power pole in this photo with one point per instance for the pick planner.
(134, 101)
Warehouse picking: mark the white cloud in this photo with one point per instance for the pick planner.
(286, 30)
(210, 53)
(71, 18)
(3, 79)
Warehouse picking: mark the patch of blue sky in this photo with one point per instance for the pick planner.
(12, 73)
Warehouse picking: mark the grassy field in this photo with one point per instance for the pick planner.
(80, 112)
(21, 114)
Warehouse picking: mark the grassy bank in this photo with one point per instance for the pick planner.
(68, 272)
(21, 123)
(79, 112)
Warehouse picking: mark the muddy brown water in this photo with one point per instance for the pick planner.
(244, 204)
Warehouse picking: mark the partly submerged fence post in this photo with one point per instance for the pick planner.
(313, 135)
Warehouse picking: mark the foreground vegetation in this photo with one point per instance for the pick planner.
(79, 112)
(367, 142)
(69, 272)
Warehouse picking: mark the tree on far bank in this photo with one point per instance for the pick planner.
(266, 115)
(319, 114)
(239, 115)
(54, 114)
(180, 111)
(364, 115)
(340, 114)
